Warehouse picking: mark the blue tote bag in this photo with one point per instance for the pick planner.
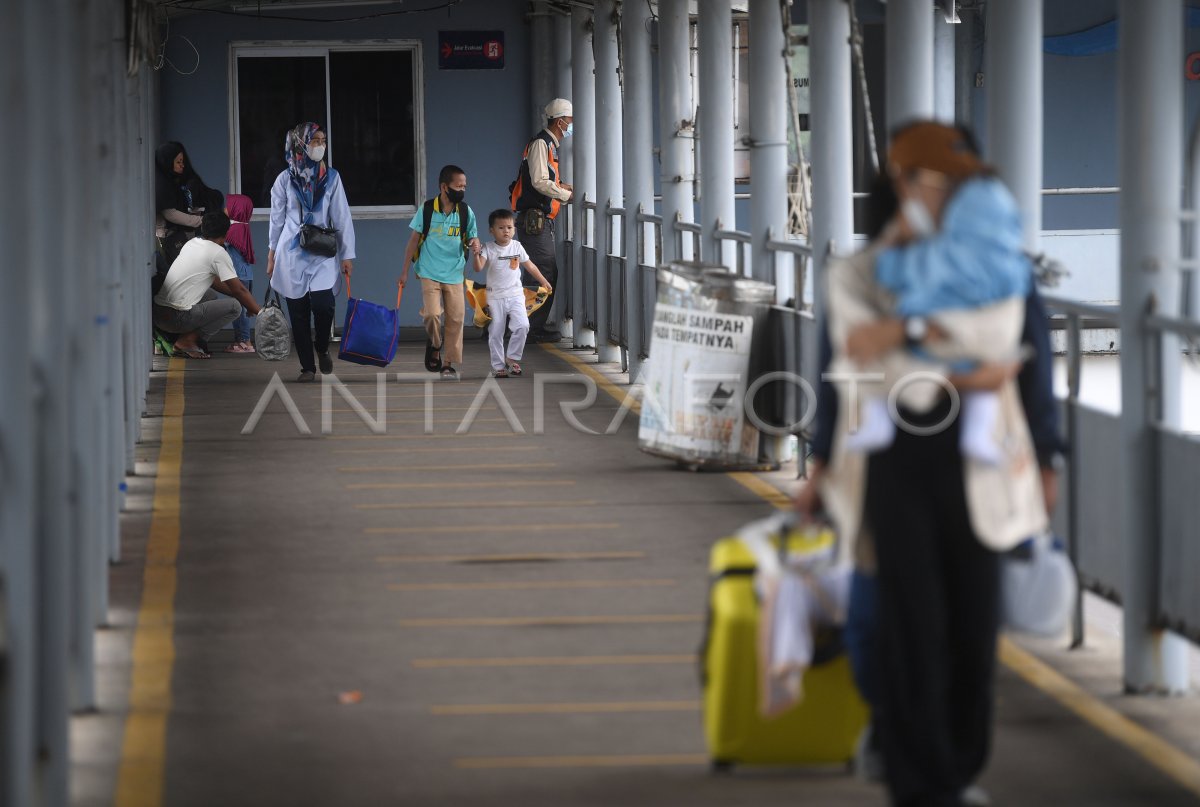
(370, 331)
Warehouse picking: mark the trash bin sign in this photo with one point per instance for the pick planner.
(696, 382)
(701, 347)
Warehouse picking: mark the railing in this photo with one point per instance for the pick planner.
(1093, 530)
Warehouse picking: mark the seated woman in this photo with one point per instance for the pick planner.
(180, 199)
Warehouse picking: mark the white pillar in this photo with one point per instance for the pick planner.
(22, 100)
(609, 186)
(909, 56)
(944, 75)
(638, 143)
(716, 129)
(1150, 116)
(676, 127)
(769, 138)
(583, 152)
(832, 161)
(1014, 102)
(541, 62)
(560, 313)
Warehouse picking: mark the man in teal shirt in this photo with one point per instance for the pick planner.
(439, 245)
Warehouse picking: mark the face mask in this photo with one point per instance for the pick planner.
(315, 153)
(918, 218)
(455, 196)
(570, 129)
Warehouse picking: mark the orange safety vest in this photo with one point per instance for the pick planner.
(524, 195)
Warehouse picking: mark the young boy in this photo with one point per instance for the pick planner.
(440, 256)
(504, 258)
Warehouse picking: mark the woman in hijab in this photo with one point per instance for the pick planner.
(180, 197)
(309, 192)
(240, 247)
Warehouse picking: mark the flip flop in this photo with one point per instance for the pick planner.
(433, 357)
(514, 368)
(499, 373)
(190, 353)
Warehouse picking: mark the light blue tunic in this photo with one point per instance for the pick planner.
(976, 258)
(298, 272)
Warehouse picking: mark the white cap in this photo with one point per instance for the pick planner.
(558, 108)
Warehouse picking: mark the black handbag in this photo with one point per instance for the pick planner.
(317, 239)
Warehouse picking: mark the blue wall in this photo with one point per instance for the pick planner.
(478, 119)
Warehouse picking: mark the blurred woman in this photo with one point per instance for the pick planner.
(309, 192)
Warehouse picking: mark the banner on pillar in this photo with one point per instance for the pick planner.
(800, 83)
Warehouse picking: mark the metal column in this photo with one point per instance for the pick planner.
(832, 134)
(18, 589)
(944, 75)
(583, 153)
(717, 209)
(609, 189)
(639, 167)
(676, 127)
(560, 312)
(1014, 105)
(541, 62)
(768, 136)
(1150, 115)
(909, 46)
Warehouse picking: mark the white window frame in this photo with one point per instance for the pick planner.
(284, 48)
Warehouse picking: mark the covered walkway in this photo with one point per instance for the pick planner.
(399, 618)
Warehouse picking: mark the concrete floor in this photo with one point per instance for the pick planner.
(517, 613)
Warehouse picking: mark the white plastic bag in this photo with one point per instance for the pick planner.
(1038, 587)
(272, 334)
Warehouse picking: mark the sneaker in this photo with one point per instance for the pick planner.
(306, 375)
(868, 759)
(325, 362)
(975, 796)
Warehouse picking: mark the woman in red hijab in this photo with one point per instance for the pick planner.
(240, 247)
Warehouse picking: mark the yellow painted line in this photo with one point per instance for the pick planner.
(762, 488)
(457, 504)
(515, 483)
(437, 396)
(601, 380)
(524, 557)
(470, 436)
(614, 707)
(446, 529)
(535, 585)
(400, 409)
(448, 450)
(614, 761)
(538, 621)
(496, 466)
(423, 436)
(454, 421)
(1164, 756)
(143, 748)
(550, 661)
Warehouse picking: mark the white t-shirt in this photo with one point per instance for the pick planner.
(504, 268)
(199, 263)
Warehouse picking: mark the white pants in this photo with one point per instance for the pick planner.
(511, 311)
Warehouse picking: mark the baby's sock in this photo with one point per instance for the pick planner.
(978, 420)
(876, 430)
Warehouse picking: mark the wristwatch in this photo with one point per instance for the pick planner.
(915, 330)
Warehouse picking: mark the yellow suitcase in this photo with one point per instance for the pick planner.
(821, 730)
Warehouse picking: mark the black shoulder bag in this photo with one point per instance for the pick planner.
(317, 239)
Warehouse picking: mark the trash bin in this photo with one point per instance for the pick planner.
(708, 334)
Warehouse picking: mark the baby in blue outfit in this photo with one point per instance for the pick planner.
(975, 259)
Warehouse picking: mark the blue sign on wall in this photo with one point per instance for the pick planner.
(470, 50)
